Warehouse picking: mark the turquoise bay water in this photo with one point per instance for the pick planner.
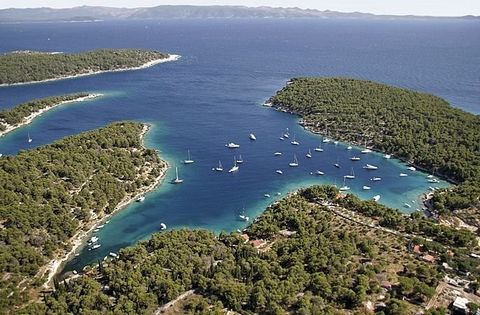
(213, 95)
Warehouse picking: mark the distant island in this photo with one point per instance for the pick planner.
(53, 196)
(23, 114)
(23, 67)
(98, 13)
(422, 129)
(314, 252)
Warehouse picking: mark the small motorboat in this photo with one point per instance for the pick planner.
(309, 154)
(163, 226)
(366, 187)
(403, 175)
(232, 145)
(355, 158)
(387, 156)
(140, 199)
(349, 147)
(95, 246)
(266, 195)
(412, 168)
(376, 198)
(240, 159)
(243, 217)
(375, 179)
(279, 172)
(252, 137)
(370, 167)
(317, 172)
(277, 153)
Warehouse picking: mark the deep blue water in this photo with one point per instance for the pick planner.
(213, 95)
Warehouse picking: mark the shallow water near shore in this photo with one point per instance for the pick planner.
(213, 95)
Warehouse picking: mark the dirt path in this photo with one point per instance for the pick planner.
(182, 296)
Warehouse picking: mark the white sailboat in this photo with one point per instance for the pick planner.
(351, 175)
(355, 158)
(219, 168)
(325, 139)
(240, 159)
(366, 150)
(294, 142)
(29, 139)
(295, 162)
(235, 167)
(376, 179)
(370, 167)
(319, 148)
(366, 187)
(344, 187)
(286, 134)
(176, 180)
(309, 154)
(403, 175)
(189, 159)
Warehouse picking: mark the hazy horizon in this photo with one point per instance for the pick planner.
(393, 7)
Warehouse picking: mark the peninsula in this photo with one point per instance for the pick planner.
(67, 188)
(421, 129)
(313, 252)
(25, 113)
(23, 67)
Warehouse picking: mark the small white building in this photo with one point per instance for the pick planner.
(460, 305)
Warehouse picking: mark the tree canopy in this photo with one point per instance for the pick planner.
(20, 67)
(419, 128)
(48, 193)
(17, 114)
(313, 262)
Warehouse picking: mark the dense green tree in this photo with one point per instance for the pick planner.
(419, 128)
(18, 67)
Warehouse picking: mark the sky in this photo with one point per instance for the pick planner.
(397, 7)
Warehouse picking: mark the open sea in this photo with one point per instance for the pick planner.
(214, 95)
